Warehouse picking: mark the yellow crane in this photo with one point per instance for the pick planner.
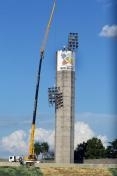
(31, 158)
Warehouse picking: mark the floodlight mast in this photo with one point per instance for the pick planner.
(31, 155)
(72, 41)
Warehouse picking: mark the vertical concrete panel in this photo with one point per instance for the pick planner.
(64, 130)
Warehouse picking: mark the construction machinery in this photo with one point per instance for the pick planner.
(31, 158)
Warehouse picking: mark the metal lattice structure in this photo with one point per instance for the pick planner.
(72, 41)
(55, 97)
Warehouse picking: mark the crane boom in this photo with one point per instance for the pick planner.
(47, 29)
(42, 50)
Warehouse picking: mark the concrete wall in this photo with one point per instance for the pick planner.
(64, 130)
(101, 161)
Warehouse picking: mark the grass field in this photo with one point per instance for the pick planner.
(56, 171)
(113, 171)
(20, 171)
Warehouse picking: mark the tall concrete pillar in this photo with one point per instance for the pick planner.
(64, 130)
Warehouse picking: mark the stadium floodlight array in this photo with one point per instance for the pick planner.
(55, 97)
(72, 41)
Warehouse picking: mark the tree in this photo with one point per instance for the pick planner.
(41, 148)
(94, 149)
(79, 153)
(44, 148)
(114, 144)
(52, 154)
(111, 151)
(37, 149)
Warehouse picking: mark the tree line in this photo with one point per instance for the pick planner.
(92, 149)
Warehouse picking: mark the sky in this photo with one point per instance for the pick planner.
(22, 27)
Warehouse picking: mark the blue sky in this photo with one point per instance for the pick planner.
(22, 27)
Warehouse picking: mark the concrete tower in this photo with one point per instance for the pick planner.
(65, 81)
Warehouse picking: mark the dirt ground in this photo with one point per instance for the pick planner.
(51, 171)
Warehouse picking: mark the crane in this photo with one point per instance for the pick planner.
(31, 155)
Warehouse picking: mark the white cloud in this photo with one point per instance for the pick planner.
(44, 135)
(16, 142)
(109, 31)
(103, 139)
(82, 133)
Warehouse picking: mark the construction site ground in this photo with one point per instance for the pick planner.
(53, 169)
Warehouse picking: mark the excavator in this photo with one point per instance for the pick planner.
(31, 158)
